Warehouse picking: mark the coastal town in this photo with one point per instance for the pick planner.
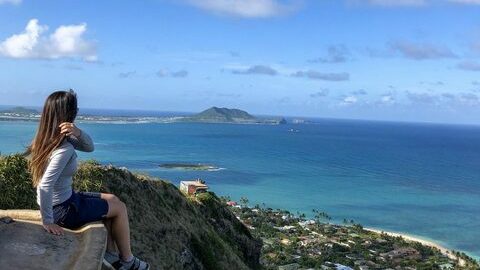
(293, 242)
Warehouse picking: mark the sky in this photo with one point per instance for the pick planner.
(395, 60)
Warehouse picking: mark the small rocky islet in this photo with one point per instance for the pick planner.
(189, 166)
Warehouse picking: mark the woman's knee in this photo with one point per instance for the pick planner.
(122, 206)
(110, 197)
(116, 208)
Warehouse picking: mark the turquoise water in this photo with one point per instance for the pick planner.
(415, 178)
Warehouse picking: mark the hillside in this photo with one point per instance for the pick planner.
(172, 231)
(168, 230)
(215, 114)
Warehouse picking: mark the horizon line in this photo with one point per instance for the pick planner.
(284, 116)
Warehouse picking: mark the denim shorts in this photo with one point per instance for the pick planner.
(81, 208)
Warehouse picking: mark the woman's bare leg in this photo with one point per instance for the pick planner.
(111, 246)
(120, 230)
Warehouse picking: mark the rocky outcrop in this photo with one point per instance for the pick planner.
(24, 244)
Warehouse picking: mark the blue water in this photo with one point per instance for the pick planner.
(419, 179)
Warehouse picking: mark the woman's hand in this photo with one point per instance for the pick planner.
(53, 228)
(68, 129)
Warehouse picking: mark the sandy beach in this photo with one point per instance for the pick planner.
(447, 252)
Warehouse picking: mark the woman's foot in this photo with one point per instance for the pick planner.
(133, 264)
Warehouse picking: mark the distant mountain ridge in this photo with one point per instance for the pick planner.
(211, 115)
(223, 115)
(19, 110)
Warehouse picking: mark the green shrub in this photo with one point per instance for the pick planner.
(17, 191)
(88, 177)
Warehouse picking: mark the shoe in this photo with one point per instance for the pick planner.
(134, 264)
(109, 258)
(108, 265)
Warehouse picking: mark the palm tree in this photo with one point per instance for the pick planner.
(244, 202)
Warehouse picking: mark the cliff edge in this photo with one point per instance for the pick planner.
(168, 230)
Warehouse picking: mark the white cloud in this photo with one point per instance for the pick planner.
(315, 75)
(387, 99)
(22, 45)
(359, 92)
(66, 41)
(469, 65)
(421, 51)
(421, 98)
(335, 54)
(349, 100)
(257, 69)
(180, 74)
(322, 93)
(469, 99)
(127, 74)
(13, 2)
(245, 8)
(162, 73)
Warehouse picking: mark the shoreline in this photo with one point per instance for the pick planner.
(445, 251)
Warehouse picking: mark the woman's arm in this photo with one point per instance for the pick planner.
(82, 143)
(77, 137)
(57, 163)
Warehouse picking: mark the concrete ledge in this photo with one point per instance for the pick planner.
(24, 244)
(32, 215)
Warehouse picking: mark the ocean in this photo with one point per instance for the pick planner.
(419, 179)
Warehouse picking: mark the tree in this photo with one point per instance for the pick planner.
(244, 202)
(321, 216)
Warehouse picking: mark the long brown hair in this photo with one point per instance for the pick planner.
(60, 106)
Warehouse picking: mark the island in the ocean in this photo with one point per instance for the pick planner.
(211, 115)
(19, 110)
(226, 115)
(189, 166)
(19, 113)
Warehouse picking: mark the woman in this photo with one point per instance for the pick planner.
(53, 162)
